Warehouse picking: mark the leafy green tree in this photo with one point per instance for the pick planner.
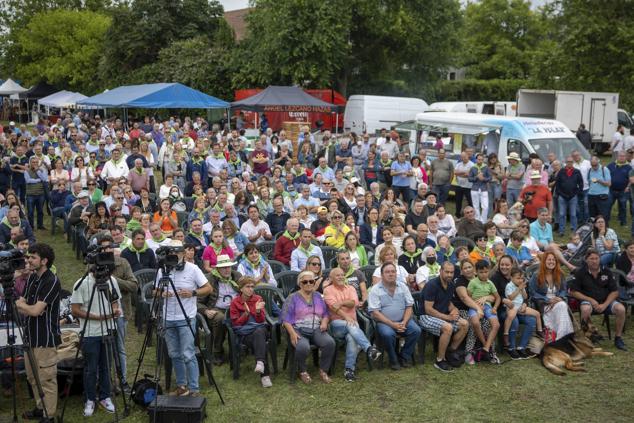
(144, 27)
(499, 38)
(61, 47)
(357, 45)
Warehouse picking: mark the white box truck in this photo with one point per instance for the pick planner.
(370, 113)
(598, 111)
(498, 108)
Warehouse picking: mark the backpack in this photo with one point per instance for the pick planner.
(456, 358)
(144, 391)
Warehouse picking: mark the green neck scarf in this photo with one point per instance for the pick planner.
(227, 281)
(141, 250)
(286, 234)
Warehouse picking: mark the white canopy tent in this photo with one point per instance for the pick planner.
(62, 99)
(11, 87)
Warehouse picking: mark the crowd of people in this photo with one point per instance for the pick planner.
(234, 205)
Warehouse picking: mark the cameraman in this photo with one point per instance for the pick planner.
(128, 286)
(189, 282)
(97, 321)
(40, 305)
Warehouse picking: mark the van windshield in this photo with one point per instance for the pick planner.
(562, 147)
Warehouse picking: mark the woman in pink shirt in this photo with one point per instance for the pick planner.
(216, 247)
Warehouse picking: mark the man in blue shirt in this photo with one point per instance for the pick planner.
(390, 304)
(402, 173)
(599, 181)
(541, 230)
(620, 178)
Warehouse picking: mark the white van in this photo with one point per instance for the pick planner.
(498, 108)
(494, 134)
(370, 113)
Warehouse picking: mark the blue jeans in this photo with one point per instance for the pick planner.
(182, 351)
(122, 324)
(388, 335)
(529, 323)
(512, 195)
(495, 192)
(488, 312)
(621, 197)
(35, 202)
(567, 207)
(355, 338)
(59, 213)
(442, 191)
(95, 367)
(583, 212)
(608, 259)
(20, 190)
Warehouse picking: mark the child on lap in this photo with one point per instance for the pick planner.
(484, 293)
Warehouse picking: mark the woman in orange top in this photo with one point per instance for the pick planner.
(166, 217)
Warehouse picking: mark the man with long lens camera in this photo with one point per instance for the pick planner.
(128, 285)
(189, 283)
(97, 317)
(40, 305)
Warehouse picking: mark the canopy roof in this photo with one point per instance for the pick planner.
(284, 99)
(39, 90)
(154, 96)
(61, 99)
(11, 87)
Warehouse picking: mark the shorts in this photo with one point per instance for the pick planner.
(608, 310)
(434, 325)
(488, 312)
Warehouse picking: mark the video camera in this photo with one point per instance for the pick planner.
(11, 259)
(167, 256)
(98, 256)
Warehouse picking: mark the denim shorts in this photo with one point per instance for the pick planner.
(488, 312)
(608, 310)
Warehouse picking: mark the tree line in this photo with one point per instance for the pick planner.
(390, 47)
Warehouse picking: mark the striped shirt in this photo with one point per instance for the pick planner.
(43, 330)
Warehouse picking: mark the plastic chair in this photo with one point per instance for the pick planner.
(274, 300)
(266, 248)
(286, 281)
(368, 271)
(461, 241)
(277, 266)
(237, 349)
(328, 253)
(182, 218)
(289, 359)
(143, 277)
(278, 235)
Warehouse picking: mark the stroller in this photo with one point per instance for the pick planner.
(585, 235)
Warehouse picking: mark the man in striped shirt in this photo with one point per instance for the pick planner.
(40, 305)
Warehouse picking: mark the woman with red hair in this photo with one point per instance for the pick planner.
(549, 291)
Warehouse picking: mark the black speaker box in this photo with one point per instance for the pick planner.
(172, 409)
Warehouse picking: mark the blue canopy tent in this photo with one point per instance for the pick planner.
(153, 96)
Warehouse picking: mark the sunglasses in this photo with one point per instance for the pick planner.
(308, 282)
(337, 217)
(314, 264)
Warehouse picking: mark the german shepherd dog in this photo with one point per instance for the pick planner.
(569, 351)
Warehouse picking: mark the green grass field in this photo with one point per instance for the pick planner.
(515, 391)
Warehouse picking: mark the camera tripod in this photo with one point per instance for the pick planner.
(14, 321)
(158, 317)
(108, 328)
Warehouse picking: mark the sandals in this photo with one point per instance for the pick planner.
(305, 377)
(324, 376)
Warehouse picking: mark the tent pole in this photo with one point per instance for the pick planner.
(336, 124)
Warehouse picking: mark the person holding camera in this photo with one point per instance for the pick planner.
(40, 305)
(128, 285)
(189, 282)
(96, 317)
(536, 196)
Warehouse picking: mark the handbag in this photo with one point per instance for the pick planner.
(145, 390)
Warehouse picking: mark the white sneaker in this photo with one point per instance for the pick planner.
(259, 367)
(89, 408)
(107, 404)
(266, 382)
